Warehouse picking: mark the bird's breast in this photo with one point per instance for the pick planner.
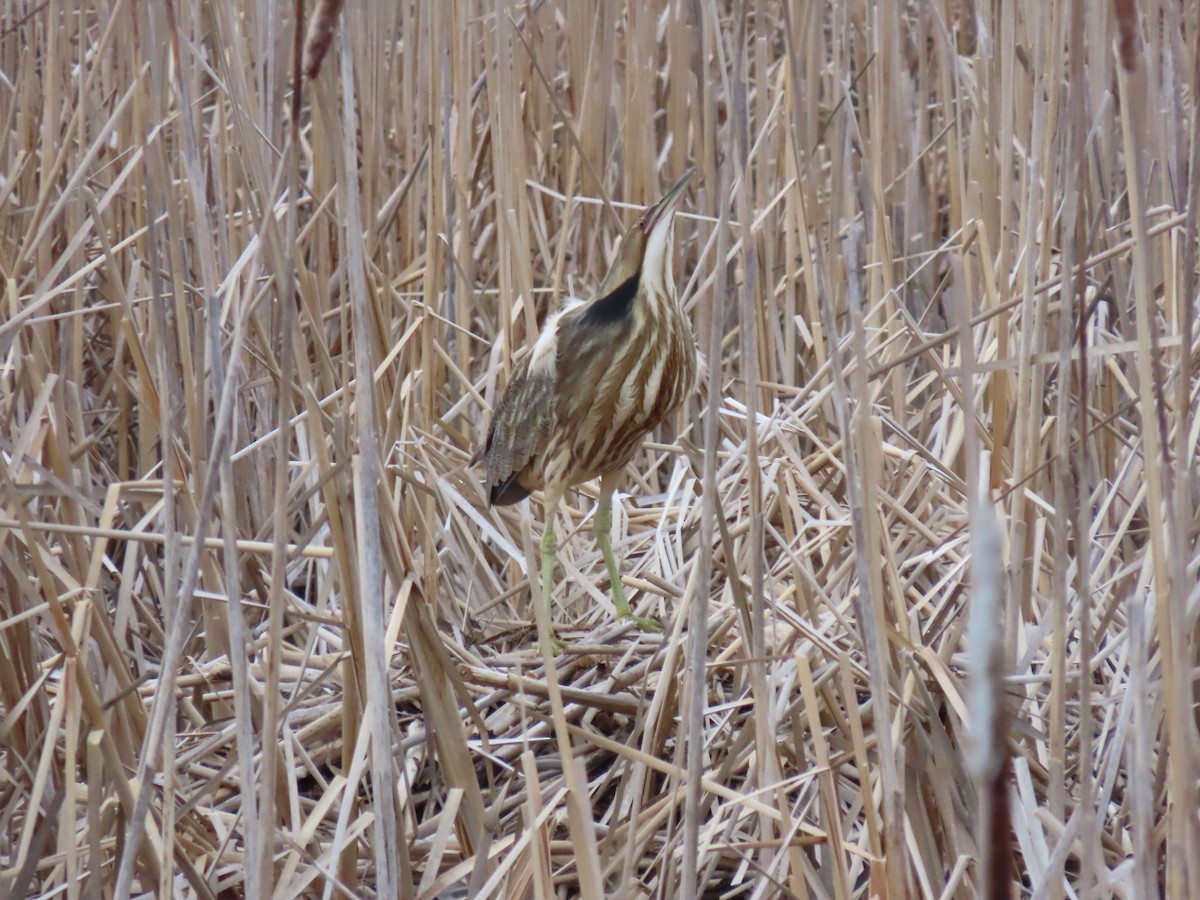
(620, 382)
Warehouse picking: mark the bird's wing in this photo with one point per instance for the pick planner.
(519, 432)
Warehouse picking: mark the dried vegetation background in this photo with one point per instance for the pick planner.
(261, 635)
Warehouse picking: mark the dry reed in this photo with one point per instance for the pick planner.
(942, 259)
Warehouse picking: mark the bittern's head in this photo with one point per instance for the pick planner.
(647, 248)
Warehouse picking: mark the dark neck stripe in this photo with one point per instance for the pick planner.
(613, 306)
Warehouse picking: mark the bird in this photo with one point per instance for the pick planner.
(602, 374)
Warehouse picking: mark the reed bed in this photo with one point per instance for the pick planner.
(924, 543)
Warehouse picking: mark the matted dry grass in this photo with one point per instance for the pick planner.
(943, 263)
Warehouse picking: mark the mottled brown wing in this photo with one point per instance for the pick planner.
(519, 433)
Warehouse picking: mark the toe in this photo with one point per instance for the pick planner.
(649, 625)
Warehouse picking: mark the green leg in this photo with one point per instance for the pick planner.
(549, 560)
(603, 528)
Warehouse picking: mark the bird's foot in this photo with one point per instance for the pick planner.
(652, 626)
(557, 644)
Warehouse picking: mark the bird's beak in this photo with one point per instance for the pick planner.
(662, 209)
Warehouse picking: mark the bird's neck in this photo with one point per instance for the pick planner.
(658, 301)
(657, 263)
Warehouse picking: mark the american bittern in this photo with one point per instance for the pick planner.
(601, 375)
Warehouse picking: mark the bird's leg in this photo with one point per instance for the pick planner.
(549, 560)
(603, 529)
